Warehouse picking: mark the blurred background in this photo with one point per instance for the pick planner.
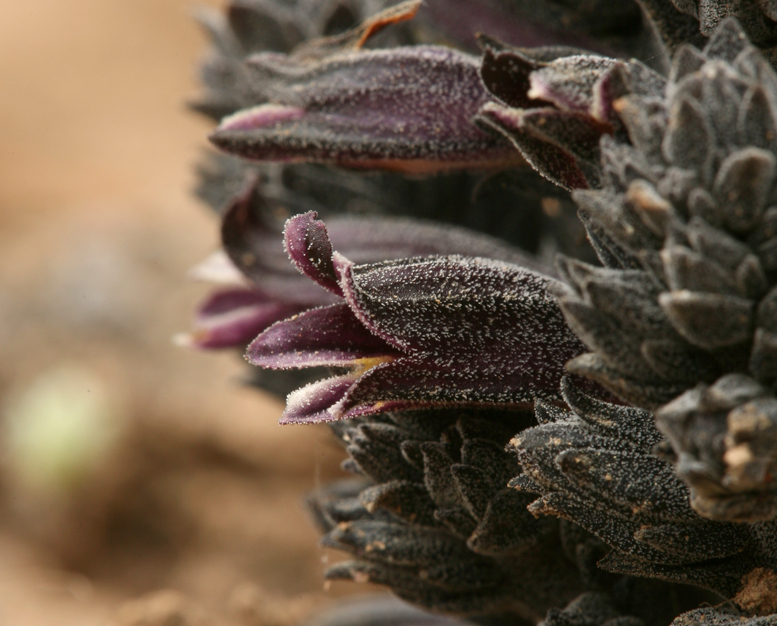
(138, 481)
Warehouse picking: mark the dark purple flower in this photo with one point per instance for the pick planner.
(406, 109)
(262, 287)
(441, 330)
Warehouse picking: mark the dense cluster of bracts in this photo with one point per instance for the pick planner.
(588, 442)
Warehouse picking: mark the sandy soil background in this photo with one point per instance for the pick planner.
(128, 466)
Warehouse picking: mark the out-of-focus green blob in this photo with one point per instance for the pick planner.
(59, 429)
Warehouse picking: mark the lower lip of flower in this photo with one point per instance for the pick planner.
(316, 402)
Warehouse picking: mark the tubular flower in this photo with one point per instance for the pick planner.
(593, 466)
(268, 289)
(440, 330)
(406, 109)
(686, 225)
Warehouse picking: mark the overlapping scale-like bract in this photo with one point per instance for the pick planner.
(594, 466)
(434, 521)
(685, 224)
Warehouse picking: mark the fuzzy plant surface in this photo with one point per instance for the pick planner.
(680, 318)
(585, 442)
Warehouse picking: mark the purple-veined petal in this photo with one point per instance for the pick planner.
(408, 109)
(321, 401)
(234, 317)
(325, 336)
(410, 383)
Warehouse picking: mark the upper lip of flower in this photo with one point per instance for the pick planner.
(416, 332)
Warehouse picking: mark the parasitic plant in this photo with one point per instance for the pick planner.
(584, 441)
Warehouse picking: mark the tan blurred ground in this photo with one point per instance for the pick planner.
(97, 230)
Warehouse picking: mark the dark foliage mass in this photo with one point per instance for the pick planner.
(683, 223)
(431, 161)
(429, 518)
